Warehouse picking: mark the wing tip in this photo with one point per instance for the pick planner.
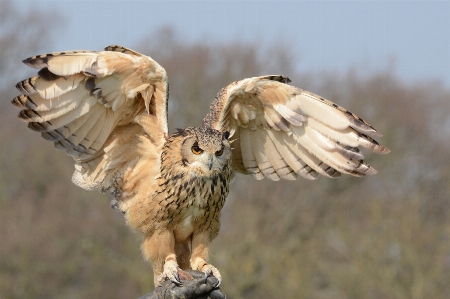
(20, 102)
(122, 49)
(27, 86)
(38, 127)
(361, 125)
(377, 148)
(38, 62)
(383, 150)
(279, 78)
(47, 75)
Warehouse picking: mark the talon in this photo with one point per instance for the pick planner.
(219, 282)
(211, 270)
(170, 272)
(176, 279)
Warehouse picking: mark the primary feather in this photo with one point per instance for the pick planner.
(79, 98)
(304, 129)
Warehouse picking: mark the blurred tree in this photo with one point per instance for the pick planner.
(386, 236)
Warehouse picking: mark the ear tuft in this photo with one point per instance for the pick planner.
(181, 132)
(225, 135)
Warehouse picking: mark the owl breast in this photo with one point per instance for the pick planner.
(183, 202)
(200, 206)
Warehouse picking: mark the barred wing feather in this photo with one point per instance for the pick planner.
(106, 109)
(281, 131)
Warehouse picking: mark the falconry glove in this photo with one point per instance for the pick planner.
(194, 286)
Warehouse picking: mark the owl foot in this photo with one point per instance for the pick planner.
(170, 272)
(209, 269)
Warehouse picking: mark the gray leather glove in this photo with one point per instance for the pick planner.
(194, 285)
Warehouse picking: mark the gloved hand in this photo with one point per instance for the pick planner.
(194, 285)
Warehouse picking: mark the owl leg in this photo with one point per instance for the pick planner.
(159, 248)
(183, 253)
(199, 257)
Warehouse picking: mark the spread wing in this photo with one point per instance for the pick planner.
(106, 109)
(281, 131)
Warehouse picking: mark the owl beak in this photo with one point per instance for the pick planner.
(210, 162)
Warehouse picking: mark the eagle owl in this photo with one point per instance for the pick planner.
(108, 110)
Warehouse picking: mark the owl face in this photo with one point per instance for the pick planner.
(205, 151)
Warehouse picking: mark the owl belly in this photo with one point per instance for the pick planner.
(196, 217)
(183, 204)
(185, 228)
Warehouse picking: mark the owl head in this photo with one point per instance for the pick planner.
(202, 151)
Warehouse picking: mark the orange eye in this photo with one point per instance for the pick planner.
(219, 153)
(196, 149)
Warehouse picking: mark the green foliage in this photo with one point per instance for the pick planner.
(385, 236)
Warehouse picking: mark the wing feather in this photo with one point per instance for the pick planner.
(64, 63)
(100, 107)
(292, 159)
(315, 165)
(279, 122)
(48, 89)
(248, 157)
(69, 129)
(332, 158)
(259, 151)
(50, 123)
(86, 146)
(78, 135)
(237, 153)
(93, 142)
(61, 106)
(285, 131)
(282, 168)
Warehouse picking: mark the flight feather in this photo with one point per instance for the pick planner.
(100, 107)
(284, 131)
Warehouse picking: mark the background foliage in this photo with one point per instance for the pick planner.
(385, 236)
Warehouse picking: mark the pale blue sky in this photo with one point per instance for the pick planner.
(325, 35)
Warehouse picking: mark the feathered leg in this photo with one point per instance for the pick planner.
(199, 257)
(159, 249)
(183, 253)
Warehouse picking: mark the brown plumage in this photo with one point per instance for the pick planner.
(108, 110)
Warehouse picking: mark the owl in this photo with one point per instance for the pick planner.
(108, 110)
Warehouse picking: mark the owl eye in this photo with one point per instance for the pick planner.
(219, 153)
(196, 149)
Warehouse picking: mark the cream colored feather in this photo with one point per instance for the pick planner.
(248, 157)
(66, 131)
(278, 162)
(48, 89)
(265, 166)
(84, 101)
(60, 106)
(307, 133)
(94, 143)
(65, 64)
(273, 117)
(294, 162)
(332, 158)
(82, 149)
(237, 153)
(312, 161)
(78, 135)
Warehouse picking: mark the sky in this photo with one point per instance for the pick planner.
(413, 37)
